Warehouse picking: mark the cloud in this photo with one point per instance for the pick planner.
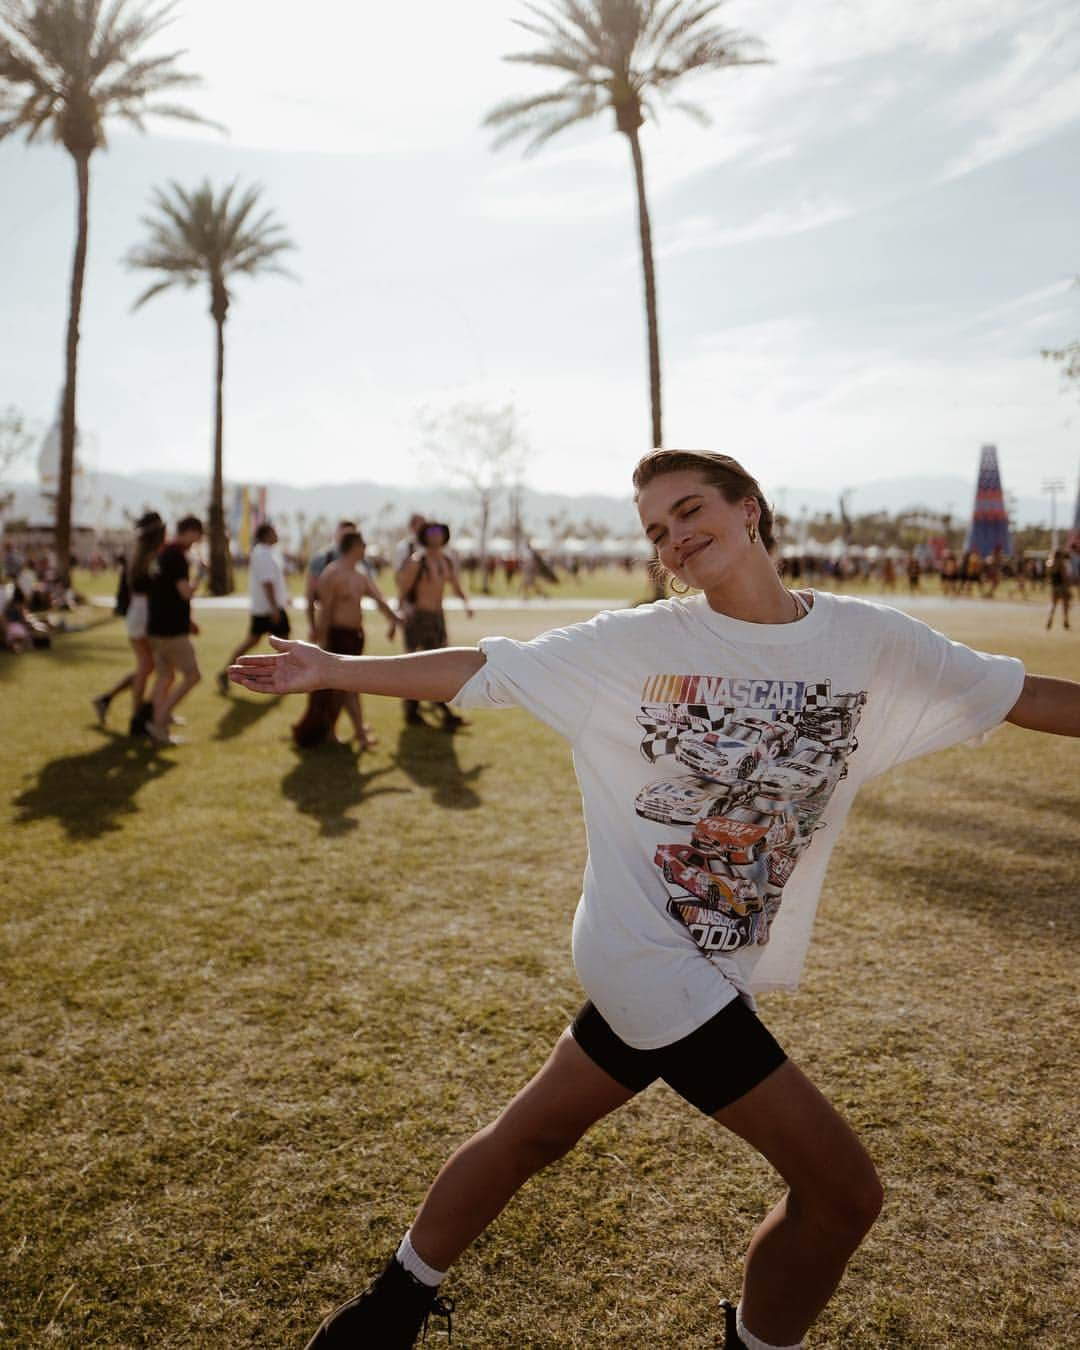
(1028, 96)
(699, 232)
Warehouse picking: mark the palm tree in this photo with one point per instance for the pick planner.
(66, 67)
(202, 237)
(618, 55)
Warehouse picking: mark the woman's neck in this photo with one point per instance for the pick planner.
(754, 597)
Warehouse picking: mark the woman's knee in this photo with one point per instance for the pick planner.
(535, 1145)
(849, 1203)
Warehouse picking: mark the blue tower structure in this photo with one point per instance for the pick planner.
(989, 527)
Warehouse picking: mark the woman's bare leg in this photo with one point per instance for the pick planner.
(799, 1252)
(544, 1121)
(144, 665)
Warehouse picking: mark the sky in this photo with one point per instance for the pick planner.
(859, 258)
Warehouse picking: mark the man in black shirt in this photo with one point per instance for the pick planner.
(169, 627)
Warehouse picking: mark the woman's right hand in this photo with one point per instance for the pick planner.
(294, 668)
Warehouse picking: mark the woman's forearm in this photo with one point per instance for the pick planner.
(435, 675)
(1048, 704)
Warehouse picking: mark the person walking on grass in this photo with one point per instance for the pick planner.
(339, 628)
(317, 566)
(170, 626)
(148, 541)
(714, 739)
(422, 581)
(269, 597)
(1060, 587)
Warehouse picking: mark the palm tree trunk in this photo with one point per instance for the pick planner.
(645, 230)
(66, 472)
(220, 580)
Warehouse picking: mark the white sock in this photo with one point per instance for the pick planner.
(418, 1268)
(753, 1342)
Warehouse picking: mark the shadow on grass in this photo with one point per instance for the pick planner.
(1019, 891)
(429, 757)
(327, 781)
(88, 793)
(241, 714)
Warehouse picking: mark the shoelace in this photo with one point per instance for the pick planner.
(441, 1307)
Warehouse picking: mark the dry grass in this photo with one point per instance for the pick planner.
(252, 999)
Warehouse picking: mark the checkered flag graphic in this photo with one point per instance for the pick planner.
(660, 738)
(709, 716)
(817, 696)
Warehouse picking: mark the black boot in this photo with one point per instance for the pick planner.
(450, 720)
(137, 725)
(731, 1331)
(388, 1315)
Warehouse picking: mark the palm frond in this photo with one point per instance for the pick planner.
(694, 110)
(153, 290)
(554, 60)
(516, 108)
(90, 55)
(201, 234)
(617, 53)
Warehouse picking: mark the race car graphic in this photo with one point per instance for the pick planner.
(745, 835)
(834, 721)
(707, 878)
(737, 751)
(683, 800)
(763, 758)
(812, 771)
(781, 863)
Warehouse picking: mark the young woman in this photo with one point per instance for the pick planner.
(148, 542)
(715, 741)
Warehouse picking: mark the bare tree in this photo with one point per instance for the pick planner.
(16, 438)
(479, 448)
(1068, 357)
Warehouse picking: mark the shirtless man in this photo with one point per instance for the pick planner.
(339, 616)
(421, 583)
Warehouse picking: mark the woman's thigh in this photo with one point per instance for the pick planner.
(565, 1097)
(789, 1121)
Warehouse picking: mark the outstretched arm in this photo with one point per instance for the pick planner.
(1048, 704)
(299, 667)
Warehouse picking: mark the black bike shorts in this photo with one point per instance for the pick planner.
(711, 1068)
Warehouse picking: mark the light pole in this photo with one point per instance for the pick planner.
(1053, 486)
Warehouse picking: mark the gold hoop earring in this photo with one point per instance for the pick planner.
(751, 531)
(678, 587)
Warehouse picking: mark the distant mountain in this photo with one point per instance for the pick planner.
(111, 501)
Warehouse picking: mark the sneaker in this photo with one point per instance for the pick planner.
(101, 709)
(731, 1327)
(389, 1314)
(451, 721)
(161, 735)
(413, 719)
(222, 683)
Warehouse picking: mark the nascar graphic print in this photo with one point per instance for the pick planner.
(750, 767)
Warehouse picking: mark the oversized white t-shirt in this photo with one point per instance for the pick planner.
(265, 567)
(717, 761)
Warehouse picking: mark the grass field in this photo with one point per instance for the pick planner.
(251, 1000)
